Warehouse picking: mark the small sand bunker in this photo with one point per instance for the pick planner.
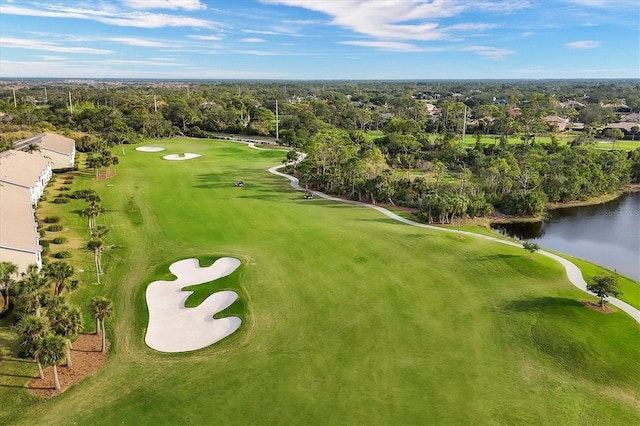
(179, 157)
(149, 148)
(176, 328)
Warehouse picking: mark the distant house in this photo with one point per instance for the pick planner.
(59, 149)
(500, 101)
(618, 107)
(514, 111)
(24, 170)
(19, 238)
(572, 104)
(630, 130)
(633, 118)
(554, 121)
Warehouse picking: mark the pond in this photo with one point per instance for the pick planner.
(606, 234)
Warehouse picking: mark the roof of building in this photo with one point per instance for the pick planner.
(17, 226)
(635, 117)
(624, 126)
(48, 142)
(21, 168)
(555, 119)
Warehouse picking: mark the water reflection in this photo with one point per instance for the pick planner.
(607, 234)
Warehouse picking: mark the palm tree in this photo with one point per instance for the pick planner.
(59, 272)
(94, 163)
(31, 330)
(66, 321)
(101, 309)
(97, 246)
(115, 161)
(33, 147)
(92, 211)
(31, 291)
(7, 270)
(51, 351)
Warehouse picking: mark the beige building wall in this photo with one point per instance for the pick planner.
(21, 258)
(58, 161)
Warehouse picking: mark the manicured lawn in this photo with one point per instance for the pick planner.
(348, 317)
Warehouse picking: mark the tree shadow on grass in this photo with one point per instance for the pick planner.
(498, 256)
(542, 304)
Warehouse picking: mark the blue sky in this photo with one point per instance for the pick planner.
(320, 39)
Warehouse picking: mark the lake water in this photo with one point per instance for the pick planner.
(606, 234)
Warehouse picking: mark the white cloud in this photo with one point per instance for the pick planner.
(401, 19)
(16, 43)
(205, 37)
(603, 4)
(385, 45)
(582, 45)
(252, 40)
(110, 16)
(488, 52)
(138, 42)
(256, 53)
(164, 4)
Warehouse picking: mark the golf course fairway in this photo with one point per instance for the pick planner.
(348, 317)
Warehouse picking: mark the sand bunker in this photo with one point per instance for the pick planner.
(179, 157)
(149, 149)
(175, 328)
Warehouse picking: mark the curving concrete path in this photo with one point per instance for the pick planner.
(573, 272)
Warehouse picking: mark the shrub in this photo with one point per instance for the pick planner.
(62, 254)
(54, 228)
(62, 200)
(51, 219)
(68, 182)
(46, 249)
(41, 232)
(64, 188)
(59, 240)
(83, 193)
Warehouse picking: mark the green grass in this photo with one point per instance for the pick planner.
(348, 317)
(630, 289)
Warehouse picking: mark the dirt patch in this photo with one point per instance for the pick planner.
(596, 306)
(86, 358)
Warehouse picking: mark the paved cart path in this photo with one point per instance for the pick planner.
(573, 272)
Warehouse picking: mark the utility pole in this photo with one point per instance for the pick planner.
(277, 131)
(46, 99)
(15, 104)
(70, 103)
(155, 104)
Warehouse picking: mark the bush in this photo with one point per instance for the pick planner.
(51, 219)
(62, 254)
(83, 193)
(68, 182)
(64, 188)
(62, 200)
(59, 240)
(41, 232)
(54, 228)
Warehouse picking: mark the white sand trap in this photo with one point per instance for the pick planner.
(175, 328)
(178, 157)
(149, 149)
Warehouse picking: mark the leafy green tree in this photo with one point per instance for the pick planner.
(32, 292)
(531, 248)
(59, 273)
(97, 247)
(66, 321)
(101, 309)
(7, 271)
(31, 330)
(604, 286)
(51, 352)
